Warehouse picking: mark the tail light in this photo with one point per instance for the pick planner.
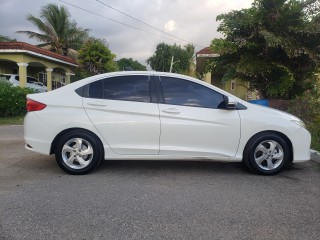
(34, 105)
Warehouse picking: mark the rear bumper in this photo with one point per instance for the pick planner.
(37, 135)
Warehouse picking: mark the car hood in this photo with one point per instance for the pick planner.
(270, 111)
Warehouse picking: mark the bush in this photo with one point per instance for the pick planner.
(307, 107)
(12, 100)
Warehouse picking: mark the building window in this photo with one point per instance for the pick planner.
(43, 77)
(233, 85)
(62, 78)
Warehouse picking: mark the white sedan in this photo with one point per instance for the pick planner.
(152, 115)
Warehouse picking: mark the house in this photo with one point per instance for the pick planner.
(25, 59)
(235, 86)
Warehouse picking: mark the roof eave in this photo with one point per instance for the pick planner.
(38, 55)
(211, 55)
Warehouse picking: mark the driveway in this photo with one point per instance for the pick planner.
(152, 199)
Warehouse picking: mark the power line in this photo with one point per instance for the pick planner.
(138, 20)
(125, 24)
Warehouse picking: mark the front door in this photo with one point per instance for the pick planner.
(194, 121)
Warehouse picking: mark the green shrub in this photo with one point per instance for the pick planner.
(307, 107)
(12, 100)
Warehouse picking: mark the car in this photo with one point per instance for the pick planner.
(32, 82)
(159, 116)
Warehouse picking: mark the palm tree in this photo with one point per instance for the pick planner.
(57, 32)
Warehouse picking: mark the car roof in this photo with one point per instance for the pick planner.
(132, 73)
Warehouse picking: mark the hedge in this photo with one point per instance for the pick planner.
(12, 100)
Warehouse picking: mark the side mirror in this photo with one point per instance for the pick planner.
(230, 102)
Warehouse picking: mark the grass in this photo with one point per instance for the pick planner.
(11, 120)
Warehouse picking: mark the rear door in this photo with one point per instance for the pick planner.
(125, 113)
(194, 121)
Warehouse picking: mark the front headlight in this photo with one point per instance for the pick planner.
(299, 122)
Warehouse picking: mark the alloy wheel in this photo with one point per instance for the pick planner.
(77, 153)
(269, 155)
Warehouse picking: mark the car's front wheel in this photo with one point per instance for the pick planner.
(78, 152)
(267, 154)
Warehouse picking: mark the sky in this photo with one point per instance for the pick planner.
(184, 21)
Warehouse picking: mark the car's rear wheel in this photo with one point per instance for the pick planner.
(267, 154)
(78, 152)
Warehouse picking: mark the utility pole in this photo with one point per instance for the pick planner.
(172, 63)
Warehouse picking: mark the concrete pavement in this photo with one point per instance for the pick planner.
(152, 199)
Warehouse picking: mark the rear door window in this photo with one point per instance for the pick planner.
(124, 88)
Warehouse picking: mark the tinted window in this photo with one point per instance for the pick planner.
(182, 92)
(95, 89)
(126, 88)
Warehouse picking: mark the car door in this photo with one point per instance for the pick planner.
(194, 121)
(124, 112)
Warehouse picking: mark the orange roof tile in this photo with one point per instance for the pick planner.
(35, 49)
(206, 50)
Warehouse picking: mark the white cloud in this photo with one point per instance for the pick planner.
(170, 26)
(193, 21)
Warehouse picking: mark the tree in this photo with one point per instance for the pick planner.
(57, 32)
(6, 39)
(129, 62)
(161, 59)
(274, 45)
(190, 49)
(94, 58)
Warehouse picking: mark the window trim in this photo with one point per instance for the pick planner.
(156, 91)
(159, 91)
(152, 90)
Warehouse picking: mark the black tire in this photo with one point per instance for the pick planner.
(78, 152)
(266, 154)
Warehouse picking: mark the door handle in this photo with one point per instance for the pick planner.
(171, 110)
(99, 104)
